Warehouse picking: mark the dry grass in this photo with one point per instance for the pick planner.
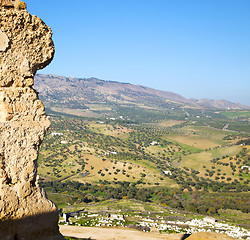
(111, 167)
(98, 107)
(170, 123)
(195, 141)
(198, 160)
(75, 112)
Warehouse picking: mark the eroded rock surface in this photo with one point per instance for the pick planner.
(25, 46)
(4, 41)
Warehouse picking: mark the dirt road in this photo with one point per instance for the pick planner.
(114, 234)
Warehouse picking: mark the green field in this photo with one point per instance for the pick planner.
(236, 114)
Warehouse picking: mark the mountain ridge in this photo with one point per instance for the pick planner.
(97, 90)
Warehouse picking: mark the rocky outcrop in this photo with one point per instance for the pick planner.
(25, 46)
(209, 236)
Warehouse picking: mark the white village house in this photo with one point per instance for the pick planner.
(167, 173)
(56, 134)
(245, 167)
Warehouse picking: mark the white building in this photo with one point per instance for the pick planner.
(66, 217)
(107, 153)
(167, 172)
(56, 134)
(209, 220)
(245, 167)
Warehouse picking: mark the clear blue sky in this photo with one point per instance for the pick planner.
(197, 48)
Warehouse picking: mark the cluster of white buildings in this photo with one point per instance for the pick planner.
(94, 220)
(108, 153)
(207, 224)
(59, 134)
(198, 225)
(115, 118)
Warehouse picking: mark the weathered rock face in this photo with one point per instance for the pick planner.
(25, 46)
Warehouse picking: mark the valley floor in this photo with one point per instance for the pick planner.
(114, 234)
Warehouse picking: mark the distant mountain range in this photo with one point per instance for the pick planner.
(82, 93)
(218, 104)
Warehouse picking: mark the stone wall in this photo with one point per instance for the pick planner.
(25, 46)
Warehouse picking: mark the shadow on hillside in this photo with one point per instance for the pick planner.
(44, 226)
(185, 236)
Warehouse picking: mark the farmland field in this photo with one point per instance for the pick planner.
(236, 114)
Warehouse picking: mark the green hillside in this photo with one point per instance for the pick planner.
(182, 165)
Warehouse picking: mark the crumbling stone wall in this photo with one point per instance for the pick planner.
(25, 46)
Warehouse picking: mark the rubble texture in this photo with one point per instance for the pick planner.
(25, 46)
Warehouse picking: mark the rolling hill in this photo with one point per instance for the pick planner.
(94, 97)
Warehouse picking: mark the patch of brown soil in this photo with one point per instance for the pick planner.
(114, 234)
